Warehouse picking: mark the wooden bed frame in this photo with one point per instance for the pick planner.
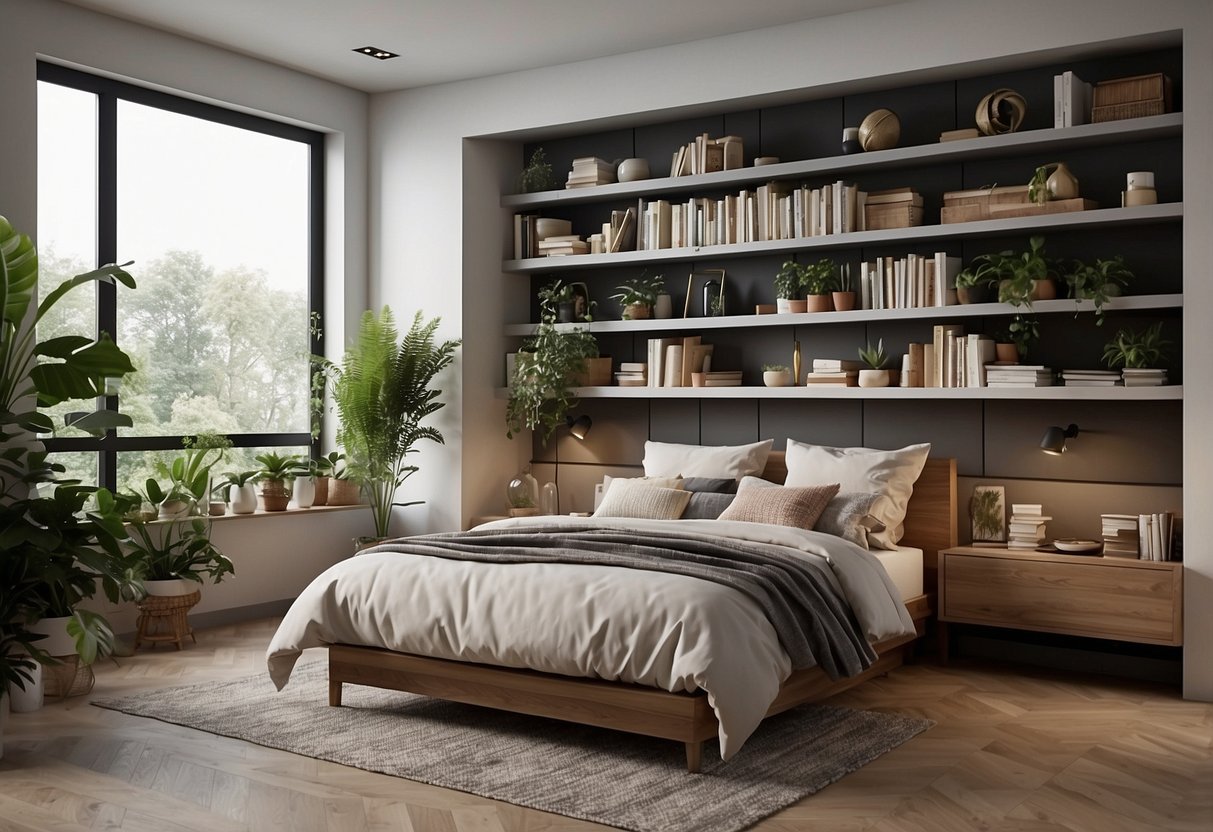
(685, 717)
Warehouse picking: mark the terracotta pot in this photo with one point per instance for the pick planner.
(1044, 289)
(982, 293)
(1006, 353)
(788, 305)
(843, 301)
(274, 496)
(343, 493)
(637, 311)
(819, 303)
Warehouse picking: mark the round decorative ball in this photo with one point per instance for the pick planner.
(1000, 111)
(632, 170)
(879, 130)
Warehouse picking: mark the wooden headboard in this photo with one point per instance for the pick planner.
(931, 516)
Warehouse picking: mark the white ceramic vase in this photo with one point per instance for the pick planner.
(776, 378)
(244, 499)
(29, 699)
(57, 642)
(305, 491)
(664, 308)
(170, 587)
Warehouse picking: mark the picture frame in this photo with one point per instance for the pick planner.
(706, 312)
(581, 301)
(988, 514)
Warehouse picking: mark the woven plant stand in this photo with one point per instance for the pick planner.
(164, 618)
(67, 678)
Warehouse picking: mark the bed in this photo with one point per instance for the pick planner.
(689, 701)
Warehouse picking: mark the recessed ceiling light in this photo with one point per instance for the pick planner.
(376, 52)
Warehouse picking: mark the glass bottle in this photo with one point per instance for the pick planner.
(549, 499)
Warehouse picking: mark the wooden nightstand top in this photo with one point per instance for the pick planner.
(1061, 557)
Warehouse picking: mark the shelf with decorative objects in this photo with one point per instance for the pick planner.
(1172, 392)
(1102, 218)
(1054, 141)
(970, 310)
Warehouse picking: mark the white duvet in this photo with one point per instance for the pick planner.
(667, 631)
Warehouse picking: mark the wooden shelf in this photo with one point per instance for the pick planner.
(985, 147)
(1099, 218)
(973, 310)
(1172, 392)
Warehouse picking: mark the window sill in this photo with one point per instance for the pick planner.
(289, 512)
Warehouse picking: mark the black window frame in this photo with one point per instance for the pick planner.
(109, 91)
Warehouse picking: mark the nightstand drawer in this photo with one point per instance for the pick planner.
(1098, 597)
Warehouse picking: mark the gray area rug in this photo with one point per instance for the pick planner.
(593, 774)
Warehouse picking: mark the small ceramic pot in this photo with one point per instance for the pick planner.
(819, 303)
(788, 305)
(664, 307)
(244, 498)
(170, 587)
(305, 492)
(850, 140)
(843, 301)
(874, 378)
(776, 378)
(981, 293)
(637, 311)
(217, 508)
(1062, 184)
(1006, 353)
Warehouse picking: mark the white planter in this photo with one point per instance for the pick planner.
(57, 641)
(776, 378)
(30, 699)
(170, 587)
(244, 498)
(174, 510)
(874, 378)
(305, 491)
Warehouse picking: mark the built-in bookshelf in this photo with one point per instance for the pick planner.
(936, 167)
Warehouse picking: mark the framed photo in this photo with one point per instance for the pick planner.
(988, 514)
(712, 292)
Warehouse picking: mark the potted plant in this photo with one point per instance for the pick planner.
(818, 282)
(789, 288)
(339, 488)
(1135, 350)
(1052, 181)
(237, 488)
(776, 375)
(188, 475)
(537, 175)
(637, 297)
(1026, 276)
(976, 283)
(1021, 332)
(58, 546)
(875, 374)
(275, 475)
(1098, 282)
(562, 297)
(545, 375)
(844, 290)
(383, 390)
(170, 558)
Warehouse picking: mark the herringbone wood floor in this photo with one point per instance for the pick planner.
(1014, 749)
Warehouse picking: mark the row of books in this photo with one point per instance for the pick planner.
(708, 155)
(672, 361)
(1071, 100)
(1026, 528)
(1142, 536)
(1128, 377)
(909, 282)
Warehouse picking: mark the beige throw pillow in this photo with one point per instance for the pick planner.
(779, 505)
(890, 474)
(668, 459)
(633, 498)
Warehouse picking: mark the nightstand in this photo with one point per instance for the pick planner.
(1097, 597)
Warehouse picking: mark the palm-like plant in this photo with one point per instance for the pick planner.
(382, 392)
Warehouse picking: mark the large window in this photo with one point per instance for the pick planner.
(220, 212)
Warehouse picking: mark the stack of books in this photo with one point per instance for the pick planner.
(1143, 377)
(632, 374)
(1154, 535)
(833, 372)
(562, 245)
(892, 208)
(1090, 378)
(1018, 375)
(1026, 529)
(589, 171)
(722, 378)
(1120, 535)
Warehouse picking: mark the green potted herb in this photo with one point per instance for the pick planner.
(275, 474)
(1027, 276)
(1021, 332)
(1098, 282)
(637, 296)
(818, 281)
(1136, 349)
(789, 288)
(874, 374)
(976, 283)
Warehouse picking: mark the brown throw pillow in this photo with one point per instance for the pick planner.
(780, 505)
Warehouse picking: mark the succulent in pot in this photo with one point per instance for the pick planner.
(875, 374)
(237, 488)
(275, 475)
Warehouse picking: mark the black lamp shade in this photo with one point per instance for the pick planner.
(580, 426)
(1054, 441)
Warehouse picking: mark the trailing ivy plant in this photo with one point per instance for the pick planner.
(541, 391)
(1098, 282)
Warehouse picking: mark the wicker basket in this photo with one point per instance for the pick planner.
(67, 678)
(165, 618)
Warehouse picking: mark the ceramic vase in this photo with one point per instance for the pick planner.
(776, 378)
(244, 498)
(1062, 184)
(29, 699)
(305, 492)
(873, 378)
(843, 301)
(664, 308)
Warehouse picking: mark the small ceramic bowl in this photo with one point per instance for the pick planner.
(549, 227)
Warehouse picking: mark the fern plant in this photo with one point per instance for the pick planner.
(382, 391)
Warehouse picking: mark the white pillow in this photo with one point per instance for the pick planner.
(635, 498)
(890, 474)
(666, 459)
(660, 482)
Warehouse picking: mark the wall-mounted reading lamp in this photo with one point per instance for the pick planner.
(1054, 441)
(580, 426)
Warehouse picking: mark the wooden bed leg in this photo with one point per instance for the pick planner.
(334, 694)
(694, 754)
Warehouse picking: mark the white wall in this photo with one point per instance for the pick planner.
(428, 175)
